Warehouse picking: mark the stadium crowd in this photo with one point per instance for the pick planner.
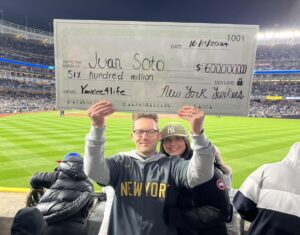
(31, 51)
(282, 88)
(25, 102)
(280, 56)
(29, 86)
(18, 96)
(268, 108)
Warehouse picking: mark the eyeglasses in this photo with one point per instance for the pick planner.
(149, 133)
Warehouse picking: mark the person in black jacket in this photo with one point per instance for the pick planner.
(68, 198)
(204, 209)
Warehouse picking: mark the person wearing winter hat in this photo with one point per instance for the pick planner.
(68, 198)
(28, 221)
(204, 209)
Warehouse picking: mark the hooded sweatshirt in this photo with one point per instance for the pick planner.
(270, 197)
(144, 187)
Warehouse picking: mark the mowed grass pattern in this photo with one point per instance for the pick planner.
(33, 142)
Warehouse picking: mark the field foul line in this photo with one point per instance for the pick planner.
(14, 190)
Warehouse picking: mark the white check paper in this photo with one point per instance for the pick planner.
(154, 67)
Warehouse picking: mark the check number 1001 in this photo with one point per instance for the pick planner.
(235, 37)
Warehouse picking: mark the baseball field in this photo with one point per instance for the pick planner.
(32, 142)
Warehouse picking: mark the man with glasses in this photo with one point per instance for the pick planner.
(145, 181)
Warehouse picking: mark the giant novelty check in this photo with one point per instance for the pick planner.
(154, 67)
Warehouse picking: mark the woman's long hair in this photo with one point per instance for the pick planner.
(220, 163)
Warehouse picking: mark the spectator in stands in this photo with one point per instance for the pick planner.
(269, 197)
(280, 56)
(65, 204)
(33, 51)
(11, 102)
(204, 209)
(28, 221)
(273, 108)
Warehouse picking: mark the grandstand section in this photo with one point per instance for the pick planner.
(276, 84)
(27, 80)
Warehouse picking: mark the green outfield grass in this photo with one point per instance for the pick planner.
(33, 142)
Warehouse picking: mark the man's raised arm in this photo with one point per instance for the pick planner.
(95, 165)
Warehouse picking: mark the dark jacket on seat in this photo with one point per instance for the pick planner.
(68, 197)
(203, 209)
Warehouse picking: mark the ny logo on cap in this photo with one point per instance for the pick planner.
(171, 129)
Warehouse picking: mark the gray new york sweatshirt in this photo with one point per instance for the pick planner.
(144, 187)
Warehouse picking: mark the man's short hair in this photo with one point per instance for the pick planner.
(153, 116)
